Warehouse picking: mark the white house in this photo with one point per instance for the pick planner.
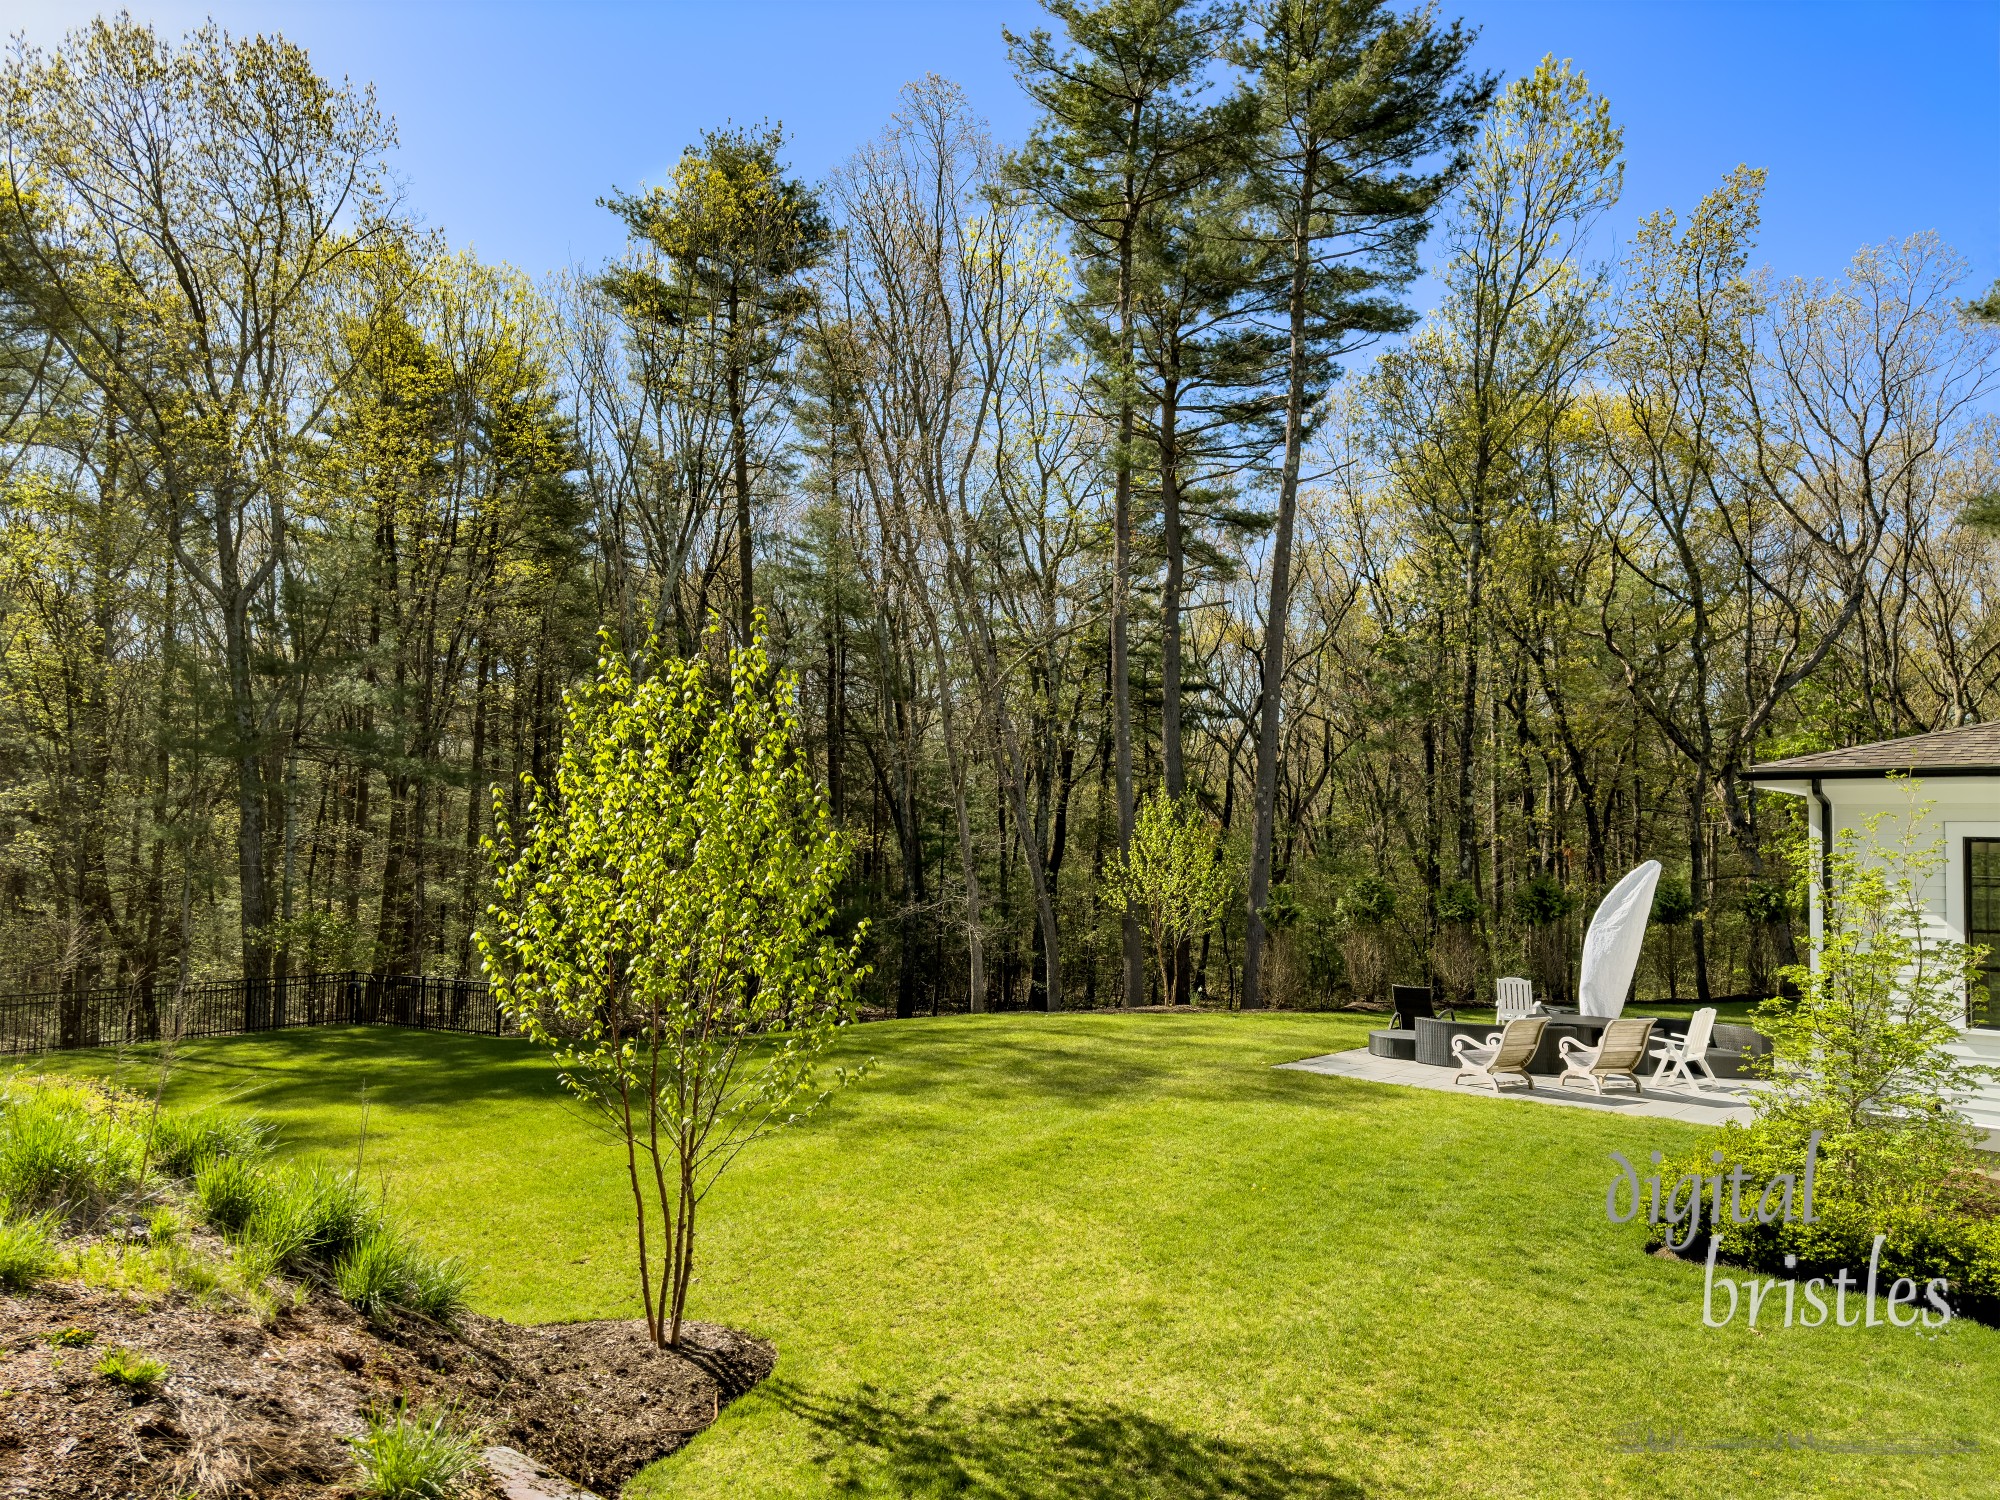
(1958, 801)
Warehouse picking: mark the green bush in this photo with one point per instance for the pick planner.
(1950, 1231)
(311, 1214)
(131, 1369)
(1369, 902)
(413, 1456)
(1542, 901)
(1459, 902)
(229, 1191)
(386, 1271)
(1673, 903)
(1767, 901)
(309, 1218)
(27, 1252)
(66, 1146)
(185, 1143)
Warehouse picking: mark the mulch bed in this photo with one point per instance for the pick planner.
(261, 1412)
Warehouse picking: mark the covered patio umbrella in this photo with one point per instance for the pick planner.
(1611, 947)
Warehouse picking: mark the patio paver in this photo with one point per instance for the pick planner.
(1728, 1100)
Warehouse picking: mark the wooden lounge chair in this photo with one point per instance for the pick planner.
(1513, 997)
(1503, 1054)
(1620, 1053)
(1680, 1055)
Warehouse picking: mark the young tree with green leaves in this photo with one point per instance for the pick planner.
(1364, 116)
(1866, 1057)
(660, 923)
(1175, 878)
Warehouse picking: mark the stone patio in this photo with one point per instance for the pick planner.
(1728, 1100)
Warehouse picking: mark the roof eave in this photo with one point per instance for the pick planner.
(1779, 771)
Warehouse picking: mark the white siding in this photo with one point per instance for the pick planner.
(1947, 810)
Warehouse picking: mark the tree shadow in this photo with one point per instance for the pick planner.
(306, 1070)
(981, 1062)
(1048, 1449)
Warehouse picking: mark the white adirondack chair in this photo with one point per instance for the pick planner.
(1679, 1056)
(1516, 997)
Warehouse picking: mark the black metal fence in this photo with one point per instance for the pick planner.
(125, 1015)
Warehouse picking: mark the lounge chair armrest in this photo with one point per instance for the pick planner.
(1569, 1046)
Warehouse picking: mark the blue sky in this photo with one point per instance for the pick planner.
(1873, 120)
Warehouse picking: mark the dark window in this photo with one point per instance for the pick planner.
(1982, 928)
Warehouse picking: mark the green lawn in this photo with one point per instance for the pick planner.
(1113, 1256)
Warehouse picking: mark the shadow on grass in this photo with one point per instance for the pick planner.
(984, 1063)
(985, 1059)
(311, 1067)
(1027, 1450)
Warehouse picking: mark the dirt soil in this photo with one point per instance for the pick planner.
(261, 1412)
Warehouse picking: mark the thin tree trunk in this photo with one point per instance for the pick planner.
(1121, 584)
(1170, 643)
(739, 454)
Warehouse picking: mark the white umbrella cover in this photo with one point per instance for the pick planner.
(1611, 947)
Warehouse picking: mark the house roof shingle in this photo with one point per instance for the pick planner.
(1973, 750)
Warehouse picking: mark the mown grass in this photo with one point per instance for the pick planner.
(1112, 1256)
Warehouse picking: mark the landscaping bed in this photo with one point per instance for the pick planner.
(242, 1408)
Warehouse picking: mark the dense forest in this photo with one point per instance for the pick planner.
(1060, 474)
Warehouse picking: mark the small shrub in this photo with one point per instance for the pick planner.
(1866, 1058)
(1458, 903)
(386, 1271)
(185, 1143)
(27, 1253)
(1673, 903)
(312, 1214)
(73, 1338)
(131, 1369)
(66, 1146)
(1369, 902)
(229, 1191)
(1542, 901)
(165, 1226)
(413, 1456)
